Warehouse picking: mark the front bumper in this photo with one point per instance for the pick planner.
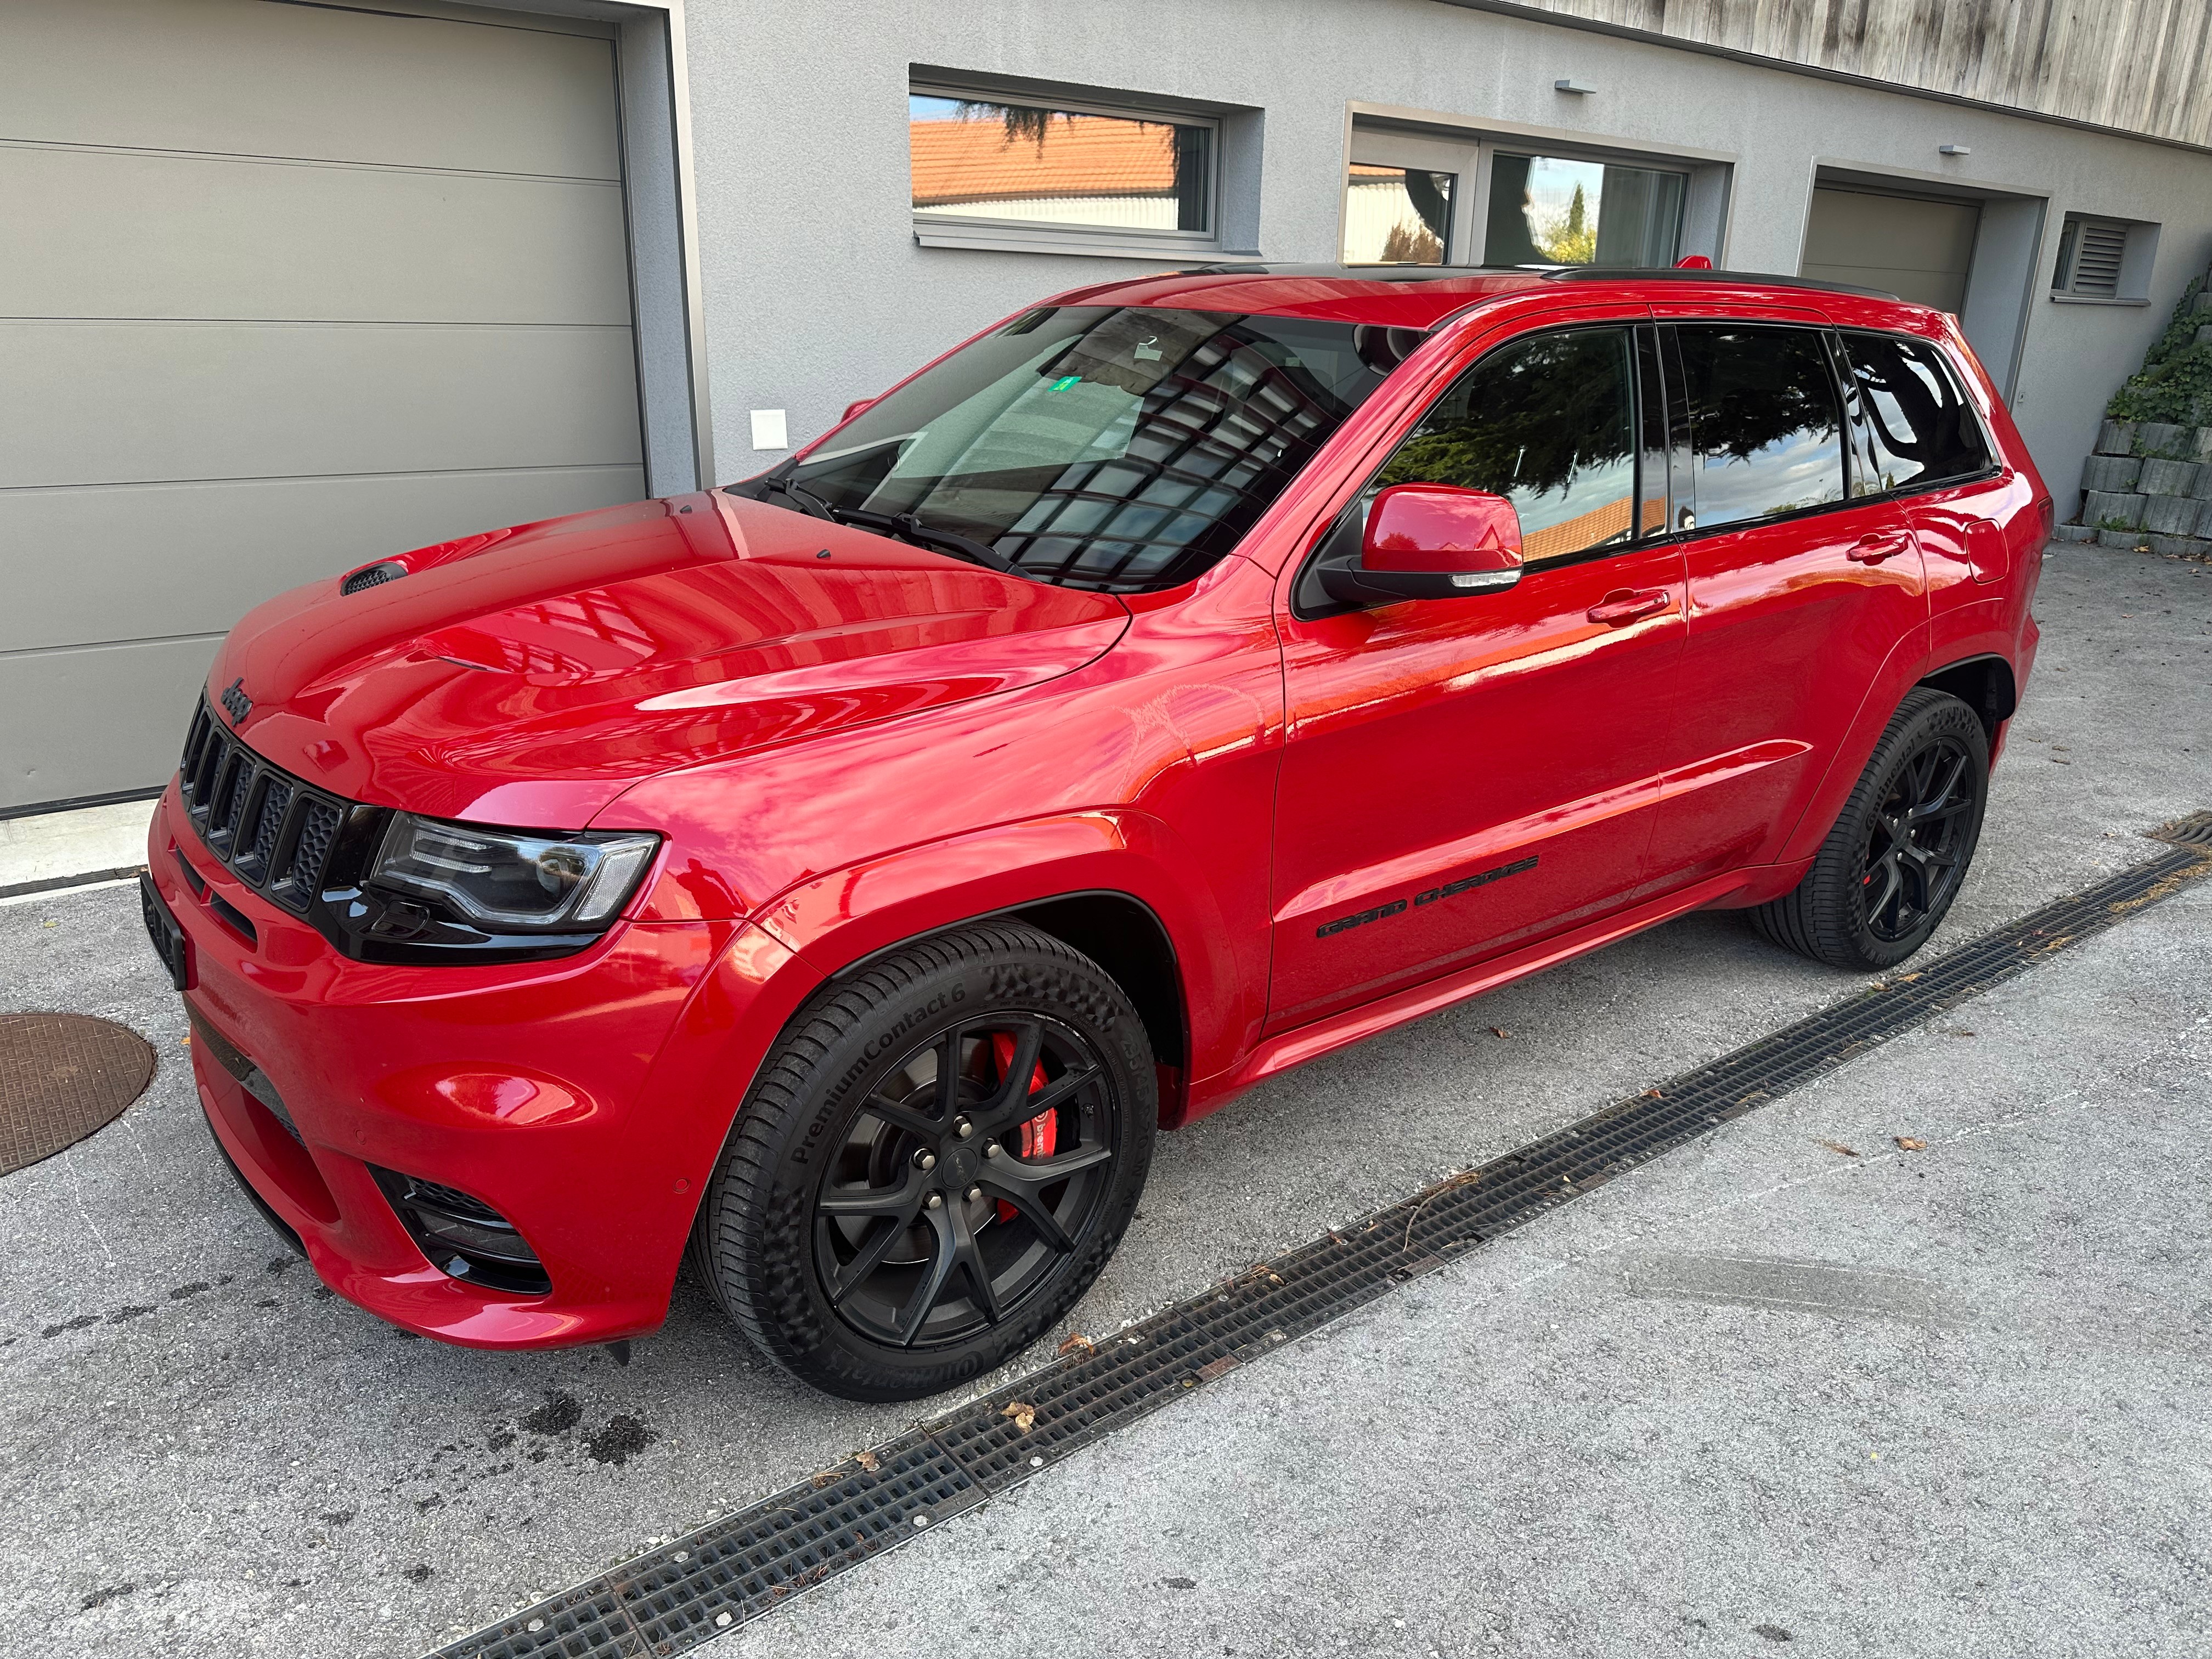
(584, 1099)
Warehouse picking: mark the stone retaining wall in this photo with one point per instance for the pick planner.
(2149, 486)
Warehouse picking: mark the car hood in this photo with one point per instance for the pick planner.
(529, 676)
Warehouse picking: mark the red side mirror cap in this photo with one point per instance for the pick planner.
(1429, 541)
(853, 408)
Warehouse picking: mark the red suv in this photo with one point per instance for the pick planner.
(843, 872)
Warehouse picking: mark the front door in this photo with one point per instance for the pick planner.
(1461, 775)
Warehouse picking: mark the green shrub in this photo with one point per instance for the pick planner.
(2176, 381)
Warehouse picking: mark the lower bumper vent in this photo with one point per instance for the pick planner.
(462, 1235)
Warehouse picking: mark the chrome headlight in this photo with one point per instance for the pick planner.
(510, 880)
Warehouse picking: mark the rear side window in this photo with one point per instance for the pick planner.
(1766, 437)
(1549, 423)
(1911, 424)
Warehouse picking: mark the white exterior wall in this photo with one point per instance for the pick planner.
(814, 292)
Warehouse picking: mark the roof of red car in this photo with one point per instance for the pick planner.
(1396, 296)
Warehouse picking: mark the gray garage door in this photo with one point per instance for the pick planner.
(1916, 249)
(283, 287)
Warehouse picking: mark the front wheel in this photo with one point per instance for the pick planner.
(1892, 864)
(935, 1162)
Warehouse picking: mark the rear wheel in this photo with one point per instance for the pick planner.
(936, 1161)
(1892, 865)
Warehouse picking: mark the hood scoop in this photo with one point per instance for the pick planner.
(372, 575)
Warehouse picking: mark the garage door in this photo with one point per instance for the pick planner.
(283, 287)
(1916, 249)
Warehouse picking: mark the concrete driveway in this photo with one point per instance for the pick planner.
(1938, 1402)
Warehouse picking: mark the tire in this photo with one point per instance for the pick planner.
(1887, 874)
(850, 1145)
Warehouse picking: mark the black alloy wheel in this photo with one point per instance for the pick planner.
(966, 1175)
(935, 1161)
(1892, 863)
(1915, 836)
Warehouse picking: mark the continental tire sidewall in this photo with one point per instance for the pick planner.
(756, 1226)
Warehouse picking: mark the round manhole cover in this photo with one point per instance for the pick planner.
(62, 1076)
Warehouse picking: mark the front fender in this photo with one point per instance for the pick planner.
(835, 921)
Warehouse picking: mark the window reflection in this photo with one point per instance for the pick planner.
(1546, 423)
(1915, 426)
(1396, 215)
(1033, 164)
(1106, 447)
(1765, 434)
(1550, 211)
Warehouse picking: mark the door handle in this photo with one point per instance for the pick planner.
(1883, 544)
(1621, 605)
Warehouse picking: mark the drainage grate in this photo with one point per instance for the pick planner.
(63, 1076)
(735, 1569)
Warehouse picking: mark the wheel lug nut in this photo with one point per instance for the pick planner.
(964, 1128)
(925, 1160)
(975, 1192)
(991, 1149)
(937, 1200)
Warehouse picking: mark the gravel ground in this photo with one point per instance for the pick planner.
(207, 1454)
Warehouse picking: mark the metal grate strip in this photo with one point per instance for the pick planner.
(737, 1568)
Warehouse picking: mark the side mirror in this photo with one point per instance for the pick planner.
(853, 408)
(1429, 541)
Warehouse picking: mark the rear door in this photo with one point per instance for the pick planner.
(1800, 590)
(1462, 775)
(1918, 438)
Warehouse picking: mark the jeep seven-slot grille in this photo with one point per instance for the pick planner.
(270, 828)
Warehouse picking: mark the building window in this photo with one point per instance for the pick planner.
(988, 171)
(1555, 210)
(2091, 253)
(1397, 216)
(1420, 199)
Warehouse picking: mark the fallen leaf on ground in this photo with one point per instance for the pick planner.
(1653, 1094)
(1023, 1412)
(1837, 1146)
(1910, 1143)
(1499, 1031)
(867, 1460)
(1078, 1343)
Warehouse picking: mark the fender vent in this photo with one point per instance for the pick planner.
(372, 575)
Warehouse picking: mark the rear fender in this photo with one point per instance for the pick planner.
(1905, 667)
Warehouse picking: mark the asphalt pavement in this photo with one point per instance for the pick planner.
(1934, 1402)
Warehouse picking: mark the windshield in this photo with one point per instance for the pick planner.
(1098, 446)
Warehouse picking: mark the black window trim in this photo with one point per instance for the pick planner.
(1681, 479)
(1306, 607)
(1832, 353)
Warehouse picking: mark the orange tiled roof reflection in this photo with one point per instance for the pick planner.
(974, 160)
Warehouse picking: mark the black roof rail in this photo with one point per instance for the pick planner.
(1668, 273)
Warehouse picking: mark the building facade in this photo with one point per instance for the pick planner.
(291, 286)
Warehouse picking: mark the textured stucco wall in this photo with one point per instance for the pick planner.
(816, 293)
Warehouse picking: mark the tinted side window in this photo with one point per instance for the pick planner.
(1764, 436)
(1549, 423)
(1913, 425)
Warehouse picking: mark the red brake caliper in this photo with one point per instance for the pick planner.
(1042, 1132)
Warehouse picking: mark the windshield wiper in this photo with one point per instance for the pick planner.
(948, 541)
(803, 498)
(903, 524)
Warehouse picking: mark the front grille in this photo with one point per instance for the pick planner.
(462, 1235)
(274, 832)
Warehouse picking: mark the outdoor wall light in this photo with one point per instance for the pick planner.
(1952, 149)
(1580, 89)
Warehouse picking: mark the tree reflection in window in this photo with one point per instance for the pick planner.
(1548, 424)
(1914, 426)
(1765, 434)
